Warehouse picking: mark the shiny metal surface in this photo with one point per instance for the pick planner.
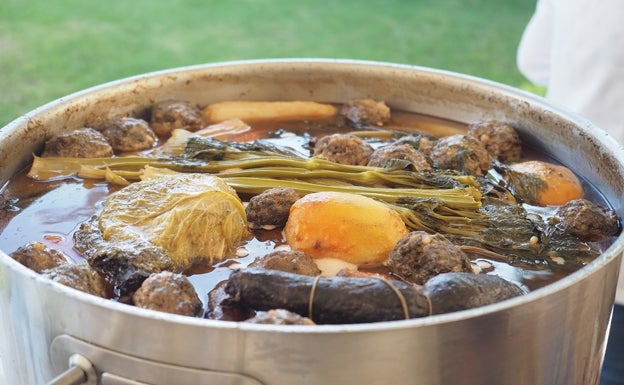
(72, 376)
(119, 368)
(552, 336)
(80, 371)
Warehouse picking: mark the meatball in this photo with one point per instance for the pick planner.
(289, 261)
(169, 115)
(82, 143)
(39, 257)
(419, 256)
(270, 209)
(129, 134)
(344, 149)
(587, 221)
(366, 112)
(280, 317)
(386, 156)
(461, 153)
(500, 139)
(168, 292)
(80, 277)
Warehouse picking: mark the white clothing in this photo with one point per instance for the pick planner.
(576, 49)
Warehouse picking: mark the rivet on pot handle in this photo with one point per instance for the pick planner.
(80, 372)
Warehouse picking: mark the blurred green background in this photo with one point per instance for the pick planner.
(51, 48)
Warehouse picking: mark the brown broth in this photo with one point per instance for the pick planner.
(50, 212)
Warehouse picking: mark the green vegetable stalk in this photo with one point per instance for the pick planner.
(438, 201)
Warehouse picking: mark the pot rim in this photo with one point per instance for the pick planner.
(608, 143)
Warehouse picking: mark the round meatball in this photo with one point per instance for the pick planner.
(500, 139)
(168, 292)
(366, 112)
(280, 317)
(344, 149)
(461, 153)
(39, 257)
(80, 277)
(270, 209)
(82, 143)
(386, 155)
(289, 261)
(169, 115)
(130, 134)
(588, 221)
(419, 256)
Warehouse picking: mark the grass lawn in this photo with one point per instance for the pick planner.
(50, 48)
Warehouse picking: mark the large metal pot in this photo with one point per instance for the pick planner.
(554, 335)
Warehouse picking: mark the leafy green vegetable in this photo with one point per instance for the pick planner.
(470, 211)
(193, 217)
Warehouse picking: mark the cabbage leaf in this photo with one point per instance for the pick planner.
(195, 218)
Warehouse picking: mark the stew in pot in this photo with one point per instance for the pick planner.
(300, 213)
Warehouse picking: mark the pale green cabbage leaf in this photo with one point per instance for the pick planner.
(195, 218)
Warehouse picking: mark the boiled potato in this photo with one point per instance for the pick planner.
(346, 226)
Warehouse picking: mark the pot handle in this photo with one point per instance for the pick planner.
(117, 368)
(80, 372)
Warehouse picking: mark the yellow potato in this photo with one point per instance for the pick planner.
(350, 227)
(251, 111)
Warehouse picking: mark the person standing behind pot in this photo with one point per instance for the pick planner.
(575, 48)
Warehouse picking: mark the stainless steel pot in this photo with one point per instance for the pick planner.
(554, 335)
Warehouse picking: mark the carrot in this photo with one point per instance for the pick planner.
(544, 184)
